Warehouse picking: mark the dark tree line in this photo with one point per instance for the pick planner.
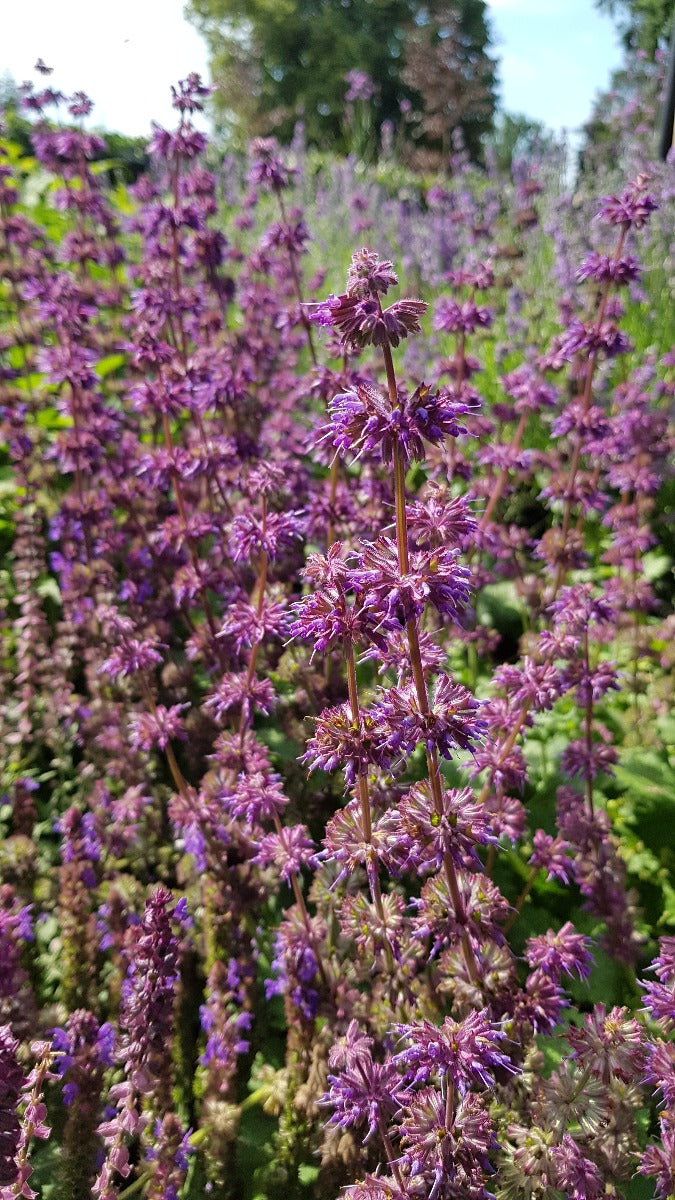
(280, 61)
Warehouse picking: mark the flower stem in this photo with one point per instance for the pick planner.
(433, 767)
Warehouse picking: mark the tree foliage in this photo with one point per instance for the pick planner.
(448, 68)
(644, 24)
(517, 136)
(279, 61)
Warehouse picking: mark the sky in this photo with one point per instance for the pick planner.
(555, 55)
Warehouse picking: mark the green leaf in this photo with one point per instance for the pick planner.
(48, 589)
(50, 418)
(655, 565)
(112, 362)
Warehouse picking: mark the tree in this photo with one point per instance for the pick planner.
(278, 61)
(516, 136)
(644, 24)
(447, 66)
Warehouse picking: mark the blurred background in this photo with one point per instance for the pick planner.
(404, 78)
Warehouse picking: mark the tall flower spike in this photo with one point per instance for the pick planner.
(11, 1083)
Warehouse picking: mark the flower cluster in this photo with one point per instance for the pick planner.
(345, 631)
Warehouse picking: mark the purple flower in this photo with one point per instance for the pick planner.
(425, 838)
(456, 1152)
(590, 340)
(12, 1080)
(369, 274)
(434, 577)
(453, 317)
(288, 851)
(529, 390)
(440, 519)
(660, 1069)
(541, 1002)
(251, 535)
(328, 616)
(340, 741)
(148, 992)
(577, 1175)
(552, 855)
(241, 690)
(189, 94)
(612, 1043)
(148, 730)
(657, 1161)
(363, 322)
(347, 845)
(632, 208)
(131, 657)
(467, 1052)
(533, 684)
(605, 269)
(450, 721)
(295, 966)
(361, 86)
(660, 997)
(565, 951)
(267, 167)
(258, 797)
(364, 1092)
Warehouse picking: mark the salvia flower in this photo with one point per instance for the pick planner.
(364, 1092)
(425, 838)
(288, 851)
(439, 519)
(467, 1052)
(347, 844)
(603, 268)
(267, 166)
(341, 741)
(369, 274)
(660, 997)
(632, 208)
(361, 86)
(434, 577)
(148, 730)
(451, 721)
(576, 1174)
(565, 951)
(132, 656)
(455, 1152)
(11, 1083)
(363, 421)
(363, 322)
(148, 991)
(552, 854)
(611, 1042)
(453, 317)
(657, 1161)
(257, 798)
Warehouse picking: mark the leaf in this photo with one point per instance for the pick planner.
(655, 565)
(308, 1173)
(668, 913)
(112, 362)
(48, 589)
(50, 418)
(646, 775)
